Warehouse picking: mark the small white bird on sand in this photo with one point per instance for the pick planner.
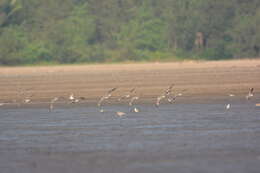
(231, 95)
(228, 106)
(27, 100)
(71, 97)
(120, 114)
(179, 94)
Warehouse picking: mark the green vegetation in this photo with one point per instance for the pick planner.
(75, 31)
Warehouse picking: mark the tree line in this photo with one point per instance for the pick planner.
(75, 31)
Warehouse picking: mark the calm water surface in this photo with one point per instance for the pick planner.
(180, 137)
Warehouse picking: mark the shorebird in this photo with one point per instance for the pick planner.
(250, 94)
(171, 99)
(168, 95)
(231, 95)
(168, 91)
(72, 99)
(23, 95)
(228, 106)
(52, 102)
(127, 95)
(159, 100)
(179, 94)
(27, 100)
(136, 110)
(105, 97)
(132, 100)
(120, 114)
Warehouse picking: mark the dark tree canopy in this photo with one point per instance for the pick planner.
(74, 31)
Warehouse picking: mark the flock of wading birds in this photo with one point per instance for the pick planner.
(129, 96)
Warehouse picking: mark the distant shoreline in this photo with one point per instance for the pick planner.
(197, 80)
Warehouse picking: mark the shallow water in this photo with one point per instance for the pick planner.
(180, 137)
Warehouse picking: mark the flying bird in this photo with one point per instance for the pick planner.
(132, 100)
(105, 97)
(158, 100)
(72, 99)
(127, 95)
(168, 91)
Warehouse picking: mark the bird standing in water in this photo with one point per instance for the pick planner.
(250, 93)
(228, 106)
(51, 107)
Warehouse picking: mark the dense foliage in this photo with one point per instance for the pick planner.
(74, 31)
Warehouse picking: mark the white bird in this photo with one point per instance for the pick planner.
(250, 94)
(132, 100)
(136, 110)
(52, 102)
(71, 97)
(171, 99)
(228, 106)
(54, 99)
(51, 107)
(180, 94)
(167, 94)
(27, 100)
(168, 90)
(231, 95)
(159, 99)
(120, 114)
(127, 95)
(106, 96)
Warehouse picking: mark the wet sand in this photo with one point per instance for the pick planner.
(209, 80)
(196, 134)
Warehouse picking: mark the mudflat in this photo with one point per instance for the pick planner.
(194, 79)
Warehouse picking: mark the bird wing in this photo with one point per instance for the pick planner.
(111, 90)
